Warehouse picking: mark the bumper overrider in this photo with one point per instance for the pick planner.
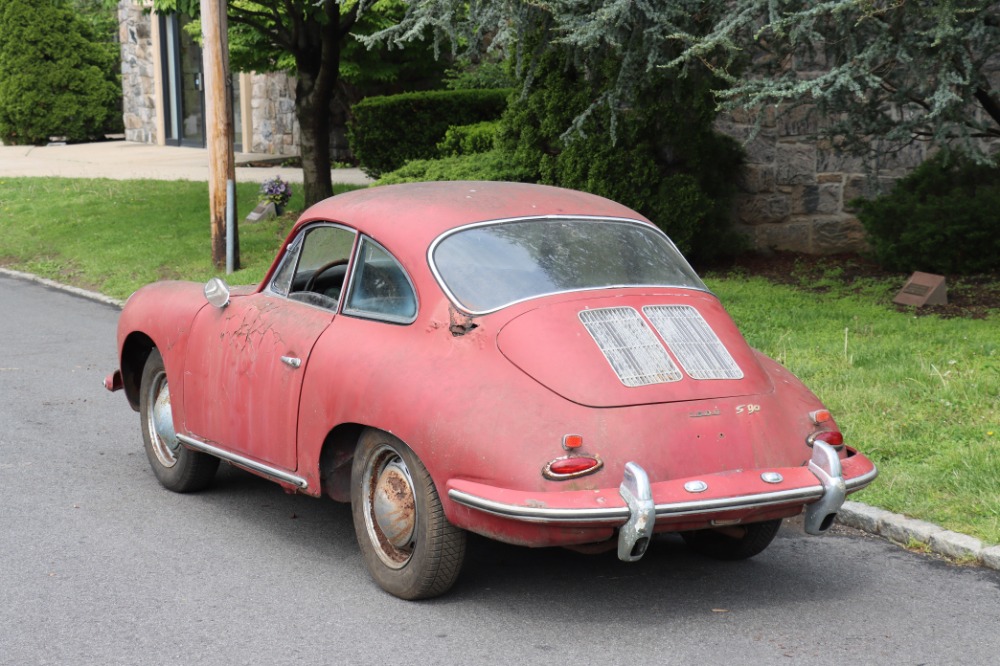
(637, 506)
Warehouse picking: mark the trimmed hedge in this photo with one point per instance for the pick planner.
(386, 132)
(941, 218)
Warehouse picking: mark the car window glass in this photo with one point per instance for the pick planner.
(320, 271)
(487, 267)
(380, 287)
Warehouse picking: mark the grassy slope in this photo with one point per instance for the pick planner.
(115, 236)
(921, 396)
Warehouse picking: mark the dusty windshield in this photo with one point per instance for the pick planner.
(487, 267)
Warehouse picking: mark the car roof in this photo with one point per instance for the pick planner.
(408, 217)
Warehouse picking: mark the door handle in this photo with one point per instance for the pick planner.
(291, 361)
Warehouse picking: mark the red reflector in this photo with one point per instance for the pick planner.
(831, 437)
(571, 467)
(572, 441)
(820, 416)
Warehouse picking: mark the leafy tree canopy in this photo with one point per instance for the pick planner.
(313, 40)
(899, 70)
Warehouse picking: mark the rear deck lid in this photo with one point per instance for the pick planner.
(634, 349)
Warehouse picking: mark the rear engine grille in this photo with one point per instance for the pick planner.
(631, 348)
(693, 342)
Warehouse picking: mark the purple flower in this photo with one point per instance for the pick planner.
(276, 191)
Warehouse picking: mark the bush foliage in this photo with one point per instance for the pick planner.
(659, 156)
(470, 139)
(56, 78)
(491, 165)
(941, 218)
(388, 131)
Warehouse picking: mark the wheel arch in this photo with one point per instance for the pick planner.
(335, 460)
(135, 350)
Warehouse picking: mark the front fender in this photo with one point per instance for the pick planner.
(158, 315)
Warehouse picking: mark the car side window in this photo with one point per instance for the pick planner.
(314, 270)
(380, 288)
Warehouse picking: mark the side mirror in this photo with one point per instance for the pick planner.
(217, 292)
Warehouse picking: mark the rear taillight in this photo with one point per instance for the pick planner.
(832, 437)
(571, 467)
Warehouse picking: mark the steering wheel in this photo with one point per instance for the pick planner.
(322, 269)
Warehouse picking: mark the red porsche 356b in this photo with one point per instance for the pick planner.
(536, 365)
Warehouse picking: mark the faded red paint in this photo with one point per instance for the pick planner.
(484, 407)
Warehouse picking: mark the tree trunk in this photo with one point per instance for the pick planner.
(317, 61)
(311, 109)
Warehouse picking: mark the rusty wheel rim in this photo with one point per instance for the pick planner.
(390, 507)
(157, 414)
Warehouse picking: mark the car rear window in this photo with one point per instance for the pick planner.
(489, 266)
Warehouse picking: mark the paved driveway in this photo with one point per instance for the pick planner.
(123, 160)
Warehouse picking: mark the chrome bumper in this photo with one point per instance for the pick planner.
(638, 516)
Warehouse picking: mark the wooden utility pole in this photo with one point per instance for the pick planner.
(219, 127)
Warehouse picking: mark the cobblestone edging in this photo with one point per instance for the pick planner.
(909, 531)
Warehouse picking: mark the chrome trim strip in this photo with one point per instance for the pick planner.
(592, 218)
(619, 515)
(859, 482)
(530, 514)
(737, 503)
(242, 461)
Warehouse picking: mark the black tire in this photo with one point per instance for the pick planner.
(179, 469)
(419, 554)
(720, 546)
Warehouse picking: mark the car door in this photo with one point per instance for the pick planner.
(243, 377)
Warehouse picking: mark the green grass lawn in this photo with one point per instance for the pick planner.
(919, 395)
(115, 236)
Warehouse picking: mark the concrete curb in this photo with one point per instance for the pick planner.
(894, 527)
(909, 532)
(52, 284)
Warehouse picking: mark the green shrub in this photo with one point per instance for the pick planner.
(491, 165)
(941, 218)
(470, 139)
(56, 78)
(660, 156)
(386, 132)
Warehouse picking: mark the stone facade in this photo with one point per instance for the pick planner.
(275, 129)
(795, 192)
(138, 79)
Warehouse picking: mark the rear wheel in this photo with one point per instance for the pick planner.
(738, 542)
(409, 547)
(176, 467)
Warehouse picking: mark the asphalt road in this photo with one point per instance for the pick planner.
(100, 565)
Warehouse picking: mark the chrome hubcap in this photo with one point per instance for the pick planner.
(160, 422)
(390, 507)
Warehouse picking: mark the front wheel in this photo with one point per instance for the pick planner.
(735, 543)
(409, 547)
(176, 467)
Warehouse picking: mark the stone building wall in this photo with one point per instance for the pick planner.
(272, 104)
(138, 81)
(795, 192)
